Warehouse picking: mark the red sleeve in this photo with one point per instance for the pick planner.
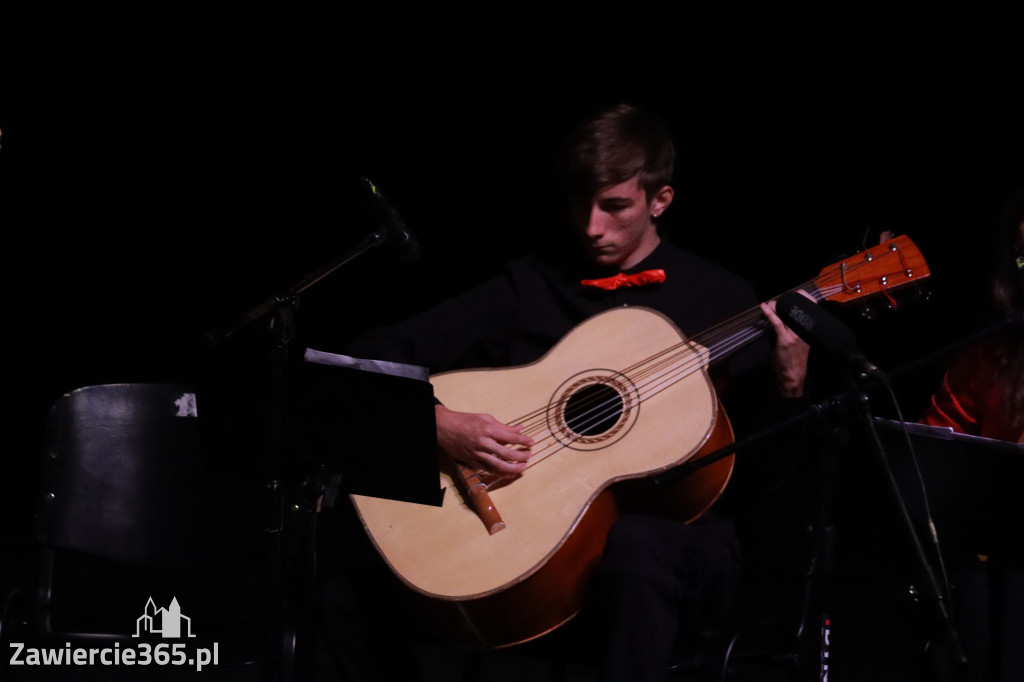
(970, 399)
(952, 408)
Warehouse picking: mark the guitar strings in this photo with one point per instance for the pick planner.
(664, 370)
(817, 289)
(661, 371)
(718, 342)
(655, 374)
(652, 376)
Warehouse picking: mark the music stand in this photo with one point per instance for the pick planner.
(969, 480)
(374, 421)
(371, 422)
(371, 431)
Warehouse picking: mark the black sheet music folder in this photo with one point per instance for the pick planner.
(375, 419)
(371, 423)
(945, 439)
(972, 482)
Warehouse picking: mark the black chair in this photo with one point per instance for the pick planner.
(136, 517)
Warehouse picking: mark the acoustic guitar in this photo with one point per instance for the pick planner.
(625, 395)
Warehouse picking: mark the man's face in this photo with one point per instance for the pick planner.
(617, 226)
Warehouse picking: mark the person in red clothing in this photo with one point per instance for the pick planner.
(974, 399)
(982, 394)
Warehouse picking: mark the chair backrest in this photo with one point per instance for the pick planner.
(125, 476)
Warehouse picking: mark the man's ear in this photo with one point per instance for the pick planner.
(661, 200)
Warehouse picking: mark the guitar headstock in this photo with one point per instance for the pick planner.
(880, 270)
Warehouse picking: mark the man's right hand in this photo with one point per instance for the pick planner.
(482, 442)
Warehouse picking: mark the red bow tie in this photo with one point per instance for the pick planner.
(623, 280)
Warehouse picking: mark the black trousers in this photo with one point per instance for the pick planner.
(659, 582)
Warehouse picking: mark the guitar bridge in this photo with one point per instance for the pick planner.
(476, 493)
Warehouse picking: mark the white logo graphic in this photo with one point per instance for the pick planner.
(167, 622)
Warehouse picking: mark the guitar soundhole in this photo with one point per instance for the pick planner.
(593, 410)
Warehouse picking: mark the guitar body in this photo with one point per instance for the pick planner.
(498, 589)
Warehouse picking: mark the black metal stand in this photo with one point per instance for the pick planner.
(281, 620)
(814, 626)
(814, 630)
(937, 593)
(289, 513)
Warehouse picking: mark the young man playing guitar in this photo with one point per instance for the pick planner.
(659, 578)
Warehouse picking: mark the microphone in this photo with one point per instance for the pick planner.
(395, 231)
(821, 329)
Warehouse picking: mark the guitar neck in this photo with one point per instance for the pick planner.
(878, 271)
(729, 337)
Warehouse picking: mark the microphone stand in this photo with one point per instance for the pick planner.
(288, 298)
(938, 594)
(815, 654)
(821, 567)
(812, 656)
(281, 632)
(819, 408)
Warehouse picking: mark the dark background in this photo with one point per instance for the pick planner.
(163, 175)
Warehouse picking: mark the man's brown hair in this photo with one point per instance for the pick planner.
(615, 145)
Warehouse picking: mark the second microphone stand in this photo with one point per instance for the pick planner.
(836, 413)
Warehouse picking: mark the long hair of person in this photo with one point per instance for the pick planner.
(1006, 347)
